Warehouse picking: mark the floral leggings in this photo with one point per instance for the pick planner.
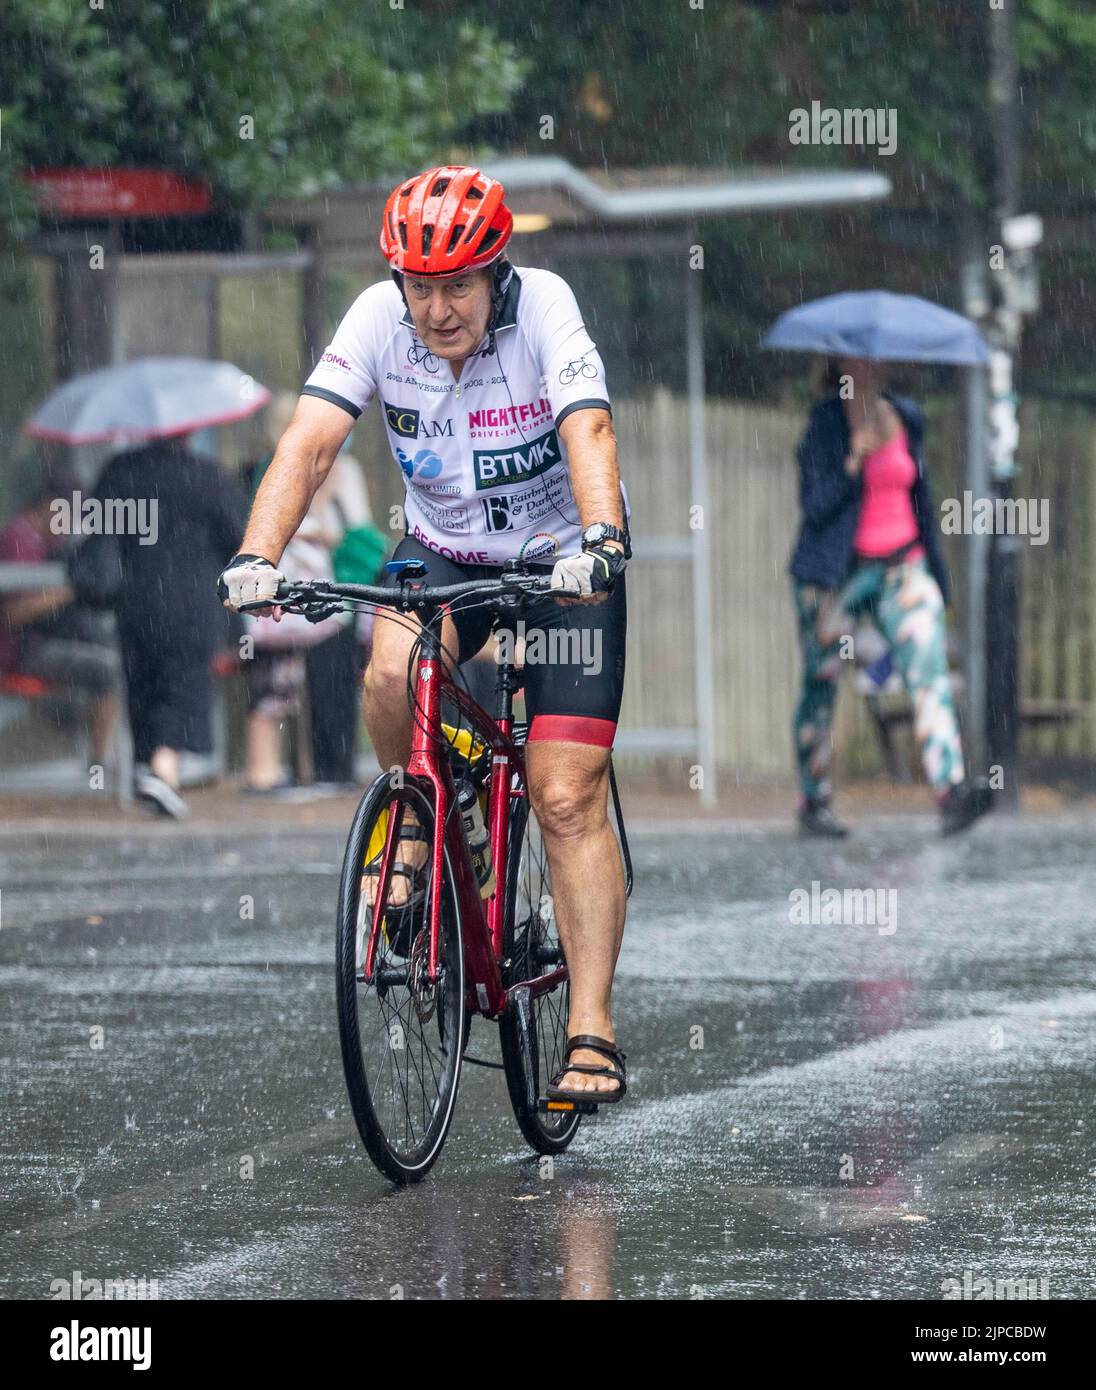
(904, 602)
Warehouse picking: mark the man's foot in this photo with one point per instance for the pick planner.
(961, 805)
(158, 793)
(595, 1071)
(816, 818)
(405, 884)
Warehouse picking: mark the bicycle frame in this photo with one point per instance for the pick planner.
(482, 924)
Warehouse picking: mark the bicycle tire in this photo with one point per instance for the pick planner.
(546, 1134)
(397, 1159)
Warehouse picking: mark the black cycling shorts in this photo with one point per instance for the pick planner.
(574, 652)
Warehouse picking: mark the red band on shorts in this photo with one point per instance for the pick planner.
(572, 728)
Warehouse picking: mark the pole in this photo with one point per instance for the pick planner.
(1003, 600)
(701, 545)
(974, 293)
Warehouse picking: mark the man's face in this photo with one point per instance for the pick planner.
(450, 312)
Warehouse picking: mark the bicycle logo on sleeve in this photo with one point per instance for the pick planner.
(577, 368)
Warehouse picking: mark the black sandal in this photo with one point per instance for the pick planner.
(604, 1048)
(398, 916)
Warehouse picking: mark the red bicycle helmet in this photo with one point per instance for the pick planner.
(444, 221)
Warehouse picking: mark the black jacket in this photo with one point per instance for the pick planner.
(830, 500)
(169, 589)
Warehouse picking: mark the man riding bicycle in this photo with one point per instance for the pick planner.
(496, 410)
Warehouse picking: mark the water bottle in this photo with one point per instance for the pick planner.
(479, 842)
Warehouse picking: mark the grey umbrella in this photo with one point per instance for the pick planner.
(149, 398)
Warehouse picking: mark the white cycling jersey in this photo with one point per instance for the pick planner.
(484, 468)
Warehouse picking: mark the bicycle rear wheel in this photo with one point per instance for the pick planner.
(531, 945)
(402, 1038)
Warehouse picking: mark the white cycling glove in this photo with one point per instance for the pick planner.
(592, 572)
(248, 579)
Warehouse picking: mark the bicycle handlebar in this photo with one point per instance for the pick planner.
(409, 595)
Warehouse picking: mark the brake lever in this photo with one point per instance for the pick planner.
(319, 611)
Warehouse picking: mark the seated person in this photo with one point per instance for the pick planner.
(43, 634)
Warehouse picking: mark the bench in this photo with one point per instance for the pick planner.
(890, 708)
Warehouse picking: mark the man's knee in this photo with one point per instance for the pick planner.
(569, 802)
(386, 674)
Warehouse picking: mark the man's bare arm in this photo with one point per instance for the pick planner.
(592, 464)
(301, 462)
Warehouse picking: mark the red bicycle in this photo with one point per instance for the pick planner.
(470, 934)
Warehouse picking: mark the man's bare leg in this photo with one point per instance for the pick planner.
(569, 786)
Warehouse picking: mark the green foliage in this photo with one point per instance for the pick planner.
(338, 90)
(644, 82)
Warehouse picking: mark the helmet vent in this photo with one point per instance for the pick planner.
(454, 237)
(473, 192)
(439, 187)
(427, 239)
(403, 234)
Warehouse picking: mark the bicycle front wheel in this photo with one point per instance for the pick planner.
(402, 1036)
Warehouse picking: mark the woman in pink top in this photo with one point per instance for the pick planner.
(869, 546)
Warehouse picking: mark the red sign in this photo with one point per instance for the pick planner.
(118, 193)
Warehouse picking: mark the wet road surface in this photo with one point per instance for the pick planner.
(827, 1110)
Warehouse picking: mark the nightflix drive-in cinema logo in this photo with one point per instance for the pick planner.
(515, 464)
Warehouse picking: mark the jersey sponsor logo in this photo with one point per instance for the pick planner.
(515, 511)
(542, 546)
(425, 464)
(514, 465)
(503, 421)
(401, 420)
(496, 514)
(407, 421)
(332, 360)
(454, 520)
(462, 557)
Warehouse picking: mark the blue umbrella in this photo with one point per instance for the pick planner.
(882, 326)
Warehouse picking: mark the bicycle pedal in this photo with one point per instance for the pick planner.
(555, 1107)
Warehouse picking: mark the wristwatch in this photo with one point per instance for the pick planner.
(601, 531)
